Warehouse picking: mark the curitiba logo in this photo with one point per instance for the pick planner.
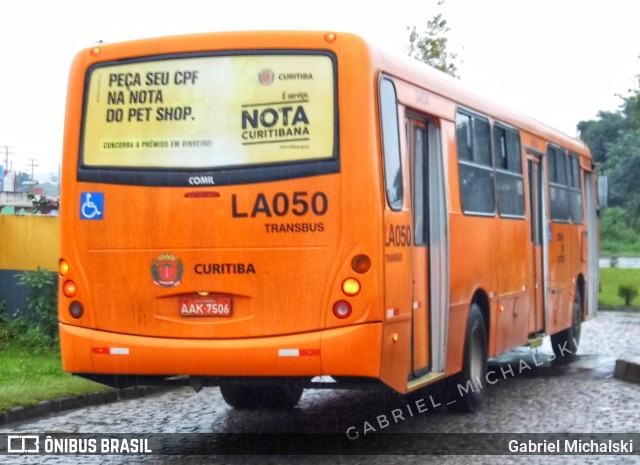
(266, 77)
(167, 270)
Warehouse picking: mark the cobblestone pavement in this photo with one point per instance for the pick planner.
(579, 398)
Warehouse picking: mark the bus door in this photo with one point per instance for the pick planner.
(430, 247)
(537, 211)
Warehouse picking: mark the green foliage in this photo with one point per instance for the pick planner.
(39, 328)
(619, 232)
(628, 293)
(623, 168)
(18, 330)
(601, 133)
(43, 204)
(614, 140)
(430, 46)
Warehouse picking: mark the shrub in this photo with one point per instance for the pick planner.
(18, 331)
(628, 293)
(41, 326)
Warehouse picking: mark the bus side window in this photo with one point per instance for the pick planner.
(473, 140)
(509, 178)
(558, 185)
(575, 190)
(391, 144)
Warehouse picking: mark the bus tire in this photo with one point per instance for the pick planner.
(469, 386)
(256, 396)
(565, 343)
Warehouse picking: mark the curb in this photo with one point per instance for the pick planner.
(28, 412)
(628, 370)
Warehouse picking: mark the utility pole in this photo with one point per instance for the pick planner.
(6, 148)
(33, 165)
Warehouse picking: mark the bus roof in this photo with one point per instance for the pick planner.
(440, 83)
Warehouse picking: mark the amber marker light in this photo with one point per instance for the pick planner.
(330, 37)
(361, 264)
(63, 267)
(69, 289)
(351, 287)
(95, 51)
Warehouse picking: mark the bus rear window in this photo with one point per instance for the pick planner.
(210, 112)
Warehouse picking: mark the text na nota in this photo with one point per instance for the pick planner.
(299, 203)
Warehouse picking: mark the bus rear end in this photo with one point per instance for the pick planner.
(209, 228)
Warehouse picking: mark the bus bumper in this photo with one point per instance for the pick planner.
(347, 351)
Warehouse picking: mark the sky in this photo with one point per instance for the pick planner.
(560, 61)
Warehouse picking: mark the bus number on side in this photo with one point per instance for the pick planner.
(281, 204)
(398, 236)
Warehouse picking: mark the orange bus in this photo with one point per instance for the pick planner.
(256, 210)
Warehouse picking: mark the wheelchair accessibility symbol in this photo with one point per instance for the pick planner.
(92, 205)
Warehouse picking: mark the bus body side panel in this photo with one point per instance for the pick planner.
(512, 317)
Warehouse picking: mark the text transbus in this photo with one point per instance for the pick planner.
(255, 210)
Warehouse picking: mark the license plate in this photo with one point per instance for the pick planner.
(206, 306)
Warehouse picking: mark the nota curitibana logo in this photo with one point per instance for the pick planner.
(167, 270)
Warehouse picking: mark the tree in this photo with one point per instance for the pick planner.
(614, 140)
(430, 46)
(600, 134)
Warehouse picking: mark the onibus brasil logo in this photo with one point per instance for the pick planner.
(167, 270)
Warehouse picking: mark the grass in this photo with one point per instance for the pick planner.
(27, 378)
(611, 279)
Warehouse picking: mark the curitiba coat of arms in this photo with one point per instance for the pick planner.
(167, 270)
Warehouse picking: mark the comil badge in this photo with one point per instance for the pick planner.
(167, 270)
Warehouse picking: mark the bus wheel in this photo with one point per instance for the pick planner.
(255, 396)
(565, 343)
(468, 390)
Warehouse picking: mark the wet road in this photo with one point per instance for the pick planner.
(529, 395)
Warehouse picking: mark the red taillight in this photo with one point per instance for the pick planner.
(69, 289)
(342, 309)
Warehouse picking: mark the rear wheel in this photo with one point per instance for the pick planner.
(565, 343)
(255, 396)
(468, 390)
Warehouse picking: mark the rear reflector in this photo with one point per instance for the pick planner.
(111, 350)
(298, 352)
